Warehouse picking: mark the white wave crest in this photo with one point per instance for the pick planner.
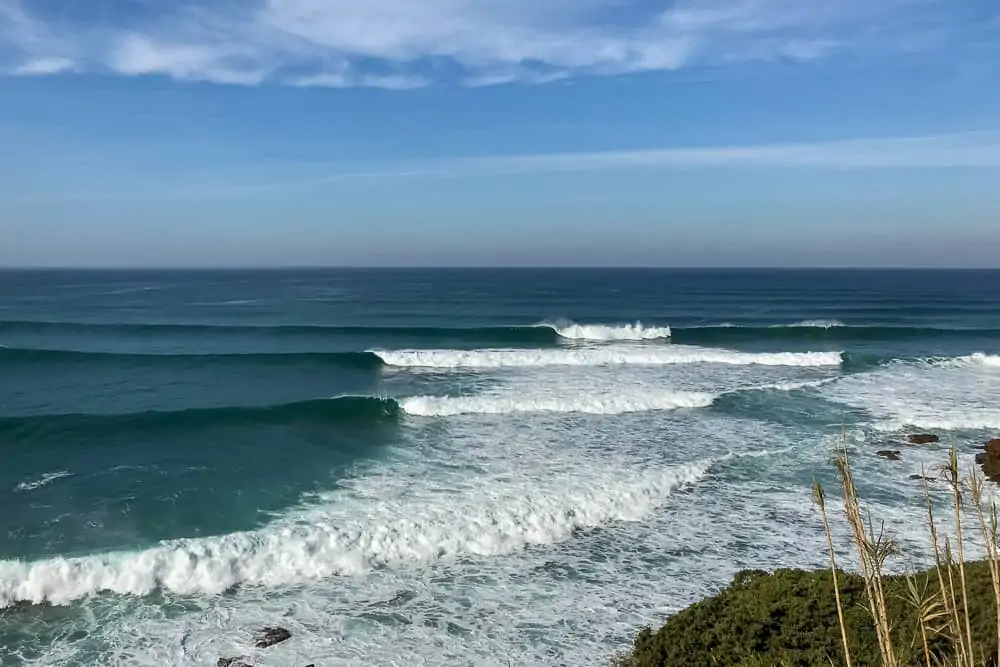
(601, 332)
(44, 480)
(970, 422)
(602, 404)
(790, 386)
(324, 542)
(976, 359)
(986, 359)
(600, 356)
(814, 324)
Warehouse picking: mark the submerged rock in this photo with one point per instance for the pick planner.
(231, 662)
(921, 478)
(891, 454)
(271, 636)
(923, 438)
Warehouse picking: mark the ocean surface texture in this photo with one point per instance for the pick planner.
(425, 467)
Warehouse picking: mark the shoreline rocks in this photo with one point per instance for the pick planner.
(890, 454)
(990, 460)
(231, 662)
(923, 438)
(270, 636)
(266, 638)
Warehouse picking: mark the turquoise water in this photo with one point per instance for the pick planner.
(448, 466)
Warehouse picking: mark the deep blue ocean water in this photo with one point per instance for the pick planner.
(448, 466)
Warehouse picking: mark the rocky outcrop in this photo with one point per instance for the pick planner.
(270, 636)
(923, 438)
(990, 460)
(891, 454)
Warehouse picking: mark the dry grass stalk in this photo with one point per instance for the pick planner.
(954, 481)
(872, 552)
(947, 592)
(819, 496)
(988, 530)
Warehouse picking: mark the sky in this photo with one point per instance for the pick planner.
(506, 132)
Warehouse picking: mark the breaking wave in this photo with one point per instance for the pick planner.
(602, 404)
(600, 356)
(322, 543)
(601, 332)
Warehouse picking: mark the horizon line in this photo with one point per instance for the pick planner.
(487, 267)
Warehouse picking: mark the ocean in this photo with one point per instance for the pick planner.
(450, 467)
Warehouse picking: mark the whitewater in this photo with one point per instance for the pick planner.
(466, 468)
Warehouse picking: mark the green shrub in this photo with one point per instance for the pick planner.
(789, 618)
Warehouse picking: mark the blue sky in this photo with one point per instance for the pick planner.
(469, 132)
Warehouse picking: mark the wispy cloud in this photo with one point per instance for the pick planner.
(963, 150)
(400, 44)
(43, 66)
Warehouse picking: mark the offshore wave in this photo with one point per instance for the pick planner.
(322, 543)
(342, 409)
(540, 334)
(454, 359)
(362, 410)
(362, 360)
(821, 330)
(602, 332)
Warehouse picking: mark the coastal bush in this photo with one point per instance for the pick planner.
(789, 618)
(947, 616)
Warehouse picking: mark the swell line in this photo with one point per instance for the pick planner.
(342, 409)
(535, 333)
(513, 334)
(42, 356)
(831, 331)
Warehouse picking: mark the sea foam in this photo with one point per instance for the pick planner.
(943, 393)
(602, 404)
(44, 480)
(325, 541)
(600, 356)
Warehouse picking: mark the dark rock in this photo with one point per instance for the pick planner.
(990, 460)
(922, 478)
(923, 438)
(271, 636)
(231, 662)
(891, 454)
